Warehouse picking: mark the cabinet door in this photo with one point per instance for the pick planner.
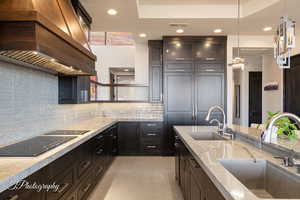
(209, 92)
(155, 70)
(178, 50)
(213, 50)
(177, 158)
(178, 106)
(212, 192)
(128, 138)
(195, 189)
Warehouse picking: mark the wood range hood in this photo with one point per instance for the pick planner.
(45, 34)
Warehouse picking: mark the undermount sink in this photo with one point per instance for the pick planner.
(206, 136)
(264, 179)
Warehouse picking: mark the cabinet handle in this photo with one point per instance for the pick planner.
(151, 147)
(151, 134)
(194, 163)
(87, 188)
(179, 70)
(99, 152)
(179, 58)
(161, 97)
(63, 188)
(15, 197)
(151, 125)
(99, 170)
(99, 137)
(86, 164)
(210, 58)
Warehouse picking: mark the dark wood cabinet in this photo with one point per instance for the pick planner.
(210, 50)
(192, 84)
(195, 184)
(128, 138)
(73, 89)
(140, 138)
(176, 49)
(291, 86)
(155, 70)
(209, 91)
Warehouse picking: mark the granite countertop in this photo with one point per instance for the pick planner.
(208, 154)
(14, 169)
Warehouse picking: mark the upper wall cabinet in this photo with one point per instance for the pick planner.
(155, 70)
(177, 50)
(210, 50)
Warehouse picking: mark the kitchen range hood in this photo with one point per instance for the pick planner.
(45, 34)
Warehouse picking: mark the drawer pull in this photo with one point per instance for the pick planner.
(179, 58)
(15, 197)
(86, 164)
(151, 147)
(100, 137)
(87, 188)
(194, 163)
(179, 70)
(210, 58)
(99, 152)
(151, 125)
(151, 134)
(64, 187)
(99, 170)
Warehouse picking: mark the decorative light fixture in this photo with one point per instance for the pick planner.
(238, 62)
(112, 12)
(284, 42)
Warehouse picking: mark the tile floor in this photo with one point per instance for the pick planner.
(139, 178)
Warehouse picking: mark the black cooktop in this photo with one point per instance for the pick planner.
(34, 146)
(67, 132)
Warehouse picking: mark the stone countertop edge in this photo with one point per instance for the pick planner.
(15, 169)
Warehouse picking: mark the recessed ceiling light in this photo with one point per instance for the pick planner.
(112, 12)
(218, 30)
(126, 70)
(268, 28)
(143, 35)
(179, 31)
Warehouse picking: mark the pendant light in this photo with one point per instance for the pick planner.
(285, 41)
(238, 62)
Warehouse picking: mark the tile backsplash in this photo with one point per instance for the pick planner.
(29, 105)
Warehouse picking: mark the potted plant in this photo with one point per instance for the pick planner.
(285, 128)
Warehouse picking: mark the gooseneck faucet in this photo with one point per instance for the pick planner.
(267, 135)
(211, 109)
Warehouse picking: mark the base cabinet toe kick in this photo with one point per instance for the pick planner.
(192, 179)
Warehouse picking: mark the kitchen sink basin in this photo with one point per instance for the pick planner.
(206, 136)
(264, 179)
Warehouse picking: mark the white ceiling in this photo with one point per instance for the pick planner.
(153, 18)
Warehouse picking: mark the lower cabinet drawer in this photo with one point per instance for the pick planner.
(66, 181)
(85, 188)
(150, 148)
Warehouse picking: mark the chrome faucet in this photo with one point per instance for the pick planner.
(267, 135)
(223, 113)
(221, 130)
